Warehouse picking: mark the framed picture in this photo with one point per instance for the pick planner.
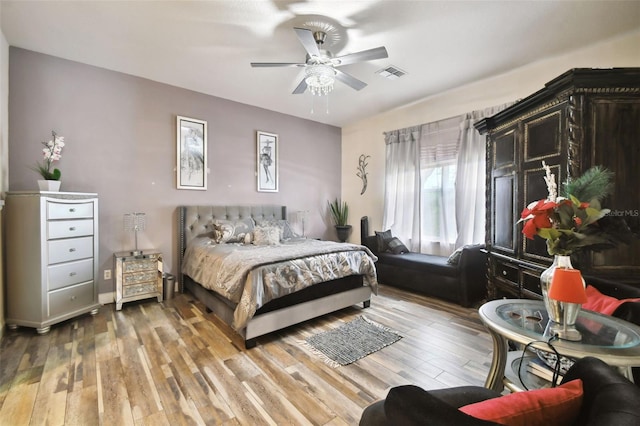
(267, 163)
(192, 153)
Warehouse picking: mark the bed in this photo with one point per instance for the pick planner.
(257, 309)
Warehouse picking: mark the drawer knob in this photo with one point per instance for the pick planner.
(504, 273)
(71, 250)
(73, 297)
(72, 274)
(72, 228)
(71, 210)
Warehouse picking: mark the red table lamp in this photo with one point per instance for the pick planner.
(567, 285)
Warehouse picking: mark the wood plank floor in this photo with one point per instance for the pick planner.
(172, 363)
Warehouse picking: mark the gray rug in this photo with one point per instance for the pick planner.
(351, 341)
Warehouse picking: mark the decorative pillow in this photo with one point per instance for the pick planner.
(381, 237)
(231, 231)
(454, 258)
(395, 246)
(602, 303)
(267, 235)
(287, 232)
(544, 407)
(248, 238)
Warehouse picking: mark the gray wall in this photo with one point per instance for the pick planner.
(120, 135)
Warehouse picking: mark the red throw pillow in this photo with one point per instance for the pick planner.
(602, 303)
(545, 407)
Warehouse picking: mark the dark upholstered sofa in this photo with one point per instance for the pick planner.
(464, 282)
(608, 399)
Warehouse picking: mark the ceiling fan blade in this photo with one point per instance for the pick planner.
(350, 80)
(275, 64)
(307, 40)
(300, 88)
(365, 55)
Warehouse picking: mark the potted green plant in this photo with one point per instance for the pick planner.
(340, 214)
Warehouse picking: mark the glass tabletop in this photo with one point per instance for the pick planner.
(529, 317)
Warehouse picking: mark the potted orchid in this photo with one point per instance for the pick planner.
(52, 152)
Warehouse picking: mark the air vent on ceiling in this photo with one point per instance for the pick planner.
(391, 72)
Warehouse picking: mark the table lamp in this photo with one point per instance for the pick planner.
(567, 287)
(135, 222)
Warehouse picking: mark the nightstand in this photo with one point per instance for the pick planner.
(138, 276)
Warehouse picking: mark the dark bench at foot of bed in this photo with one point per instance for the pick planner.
(464, 282)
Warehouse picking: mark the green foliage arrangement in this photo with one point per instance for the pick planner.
(569, 224)
(339, 212)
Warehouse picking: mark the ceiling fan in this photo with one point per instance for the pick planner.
(321, 67)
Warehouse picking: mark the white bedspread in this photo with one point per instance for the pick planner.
(253, 275)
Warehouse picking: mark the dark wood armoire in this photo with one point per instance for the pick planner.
(583, 118)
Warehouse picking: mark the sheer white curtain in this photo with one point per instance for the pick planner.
(438, 153)
(435, 183)
(471, 179)
(402, 186)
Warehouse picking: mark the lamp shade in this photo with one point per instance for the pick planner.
(567, 285)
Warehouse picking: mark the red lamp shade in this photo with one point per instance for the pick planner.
(567, 286)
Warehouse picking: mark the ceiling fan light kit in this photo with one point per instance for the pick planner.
(320, 79)
(321, 67)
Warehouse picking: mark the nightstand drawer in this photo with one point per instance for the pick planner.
(138, 277)
(136, 265)
(141, 288)
(71, 249)
(71, 299)
(69, 228)
(66, 274)
(69, 211)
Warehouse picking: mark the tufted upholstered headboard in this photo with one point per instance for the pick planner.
(197, 220)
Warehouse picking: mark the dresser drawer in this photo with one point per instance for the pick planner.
(70, 299)
(69, 210)
(69, 228)
(66, 274)
(531, 282)
(70, 249)
(506, 272)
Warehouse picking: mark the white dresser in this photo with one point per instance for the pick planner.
(52, 257)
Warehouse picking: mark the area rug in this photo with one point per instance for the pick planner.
(351, 341)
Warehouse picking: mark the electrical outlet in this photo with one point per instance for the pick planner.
(107, 274)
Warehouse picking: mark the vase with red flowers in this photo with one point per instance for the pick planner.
(571, 222)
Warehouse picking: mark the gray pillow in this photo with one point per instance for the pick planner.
(454, 257)
(231, 231)
(395, 246)
(287, 232)
(381, 236)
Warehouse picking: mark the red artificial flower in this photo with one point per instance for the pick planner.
(537, 216)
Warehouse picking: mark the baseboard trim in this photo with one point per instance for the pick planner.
(106, 298)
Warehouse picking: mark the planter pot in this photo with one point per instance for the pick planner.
(343, 232)
(49, 185)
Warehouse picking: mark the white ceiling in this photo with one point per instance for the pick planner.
(207, 46)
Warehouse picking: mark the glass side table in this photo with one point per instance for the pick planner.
(613, 340)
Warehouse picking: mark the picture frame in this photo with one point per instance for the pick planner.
(267, 161)
(191, 145)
